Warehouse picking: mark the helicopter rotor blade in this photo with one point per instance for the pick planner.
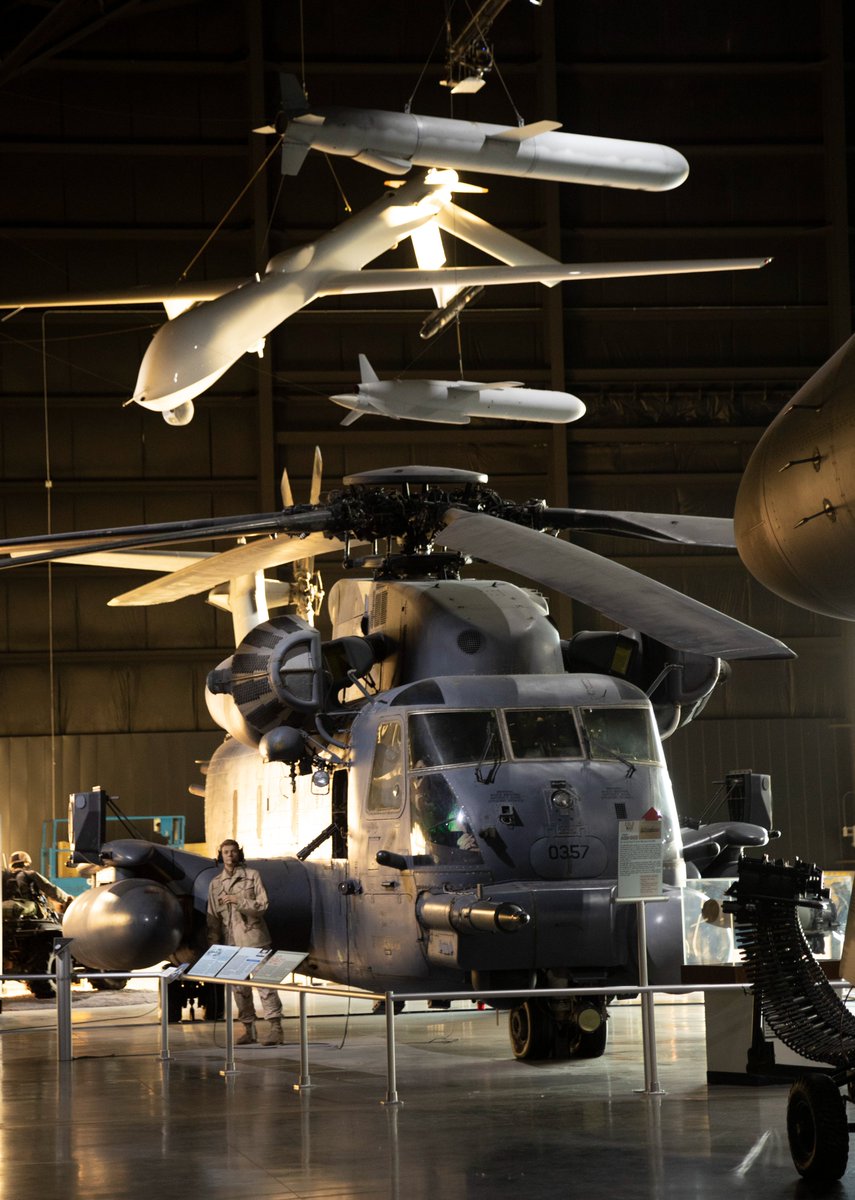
(230, 564)
(27, 551)
(682, 529)
(623, 595)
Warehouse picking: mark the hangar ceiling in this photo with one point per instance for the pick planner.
(126, 137)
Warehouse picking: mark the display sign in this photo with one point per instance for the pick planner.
(242, 963)
(212, 961)
(640, 858)
(229, 963)
(278, 967)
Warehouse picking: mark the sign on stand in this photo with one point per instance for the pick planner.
(639, 882)
(640, 858)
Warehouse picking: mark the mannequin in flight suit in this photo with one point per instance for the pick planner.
(237, 902)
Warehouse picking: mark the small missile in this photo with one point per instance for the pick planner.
(455, 402)
(394, 142)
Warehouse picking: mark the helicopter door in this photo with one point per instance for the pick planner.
(385, 926)
(385, 791)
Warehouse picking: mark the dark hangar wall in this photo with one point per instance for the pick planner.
(126, 139)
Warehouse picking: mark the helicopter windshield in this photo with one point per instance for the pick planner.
(543, 733)
(440, 824)
(453, 738)
(622, 733)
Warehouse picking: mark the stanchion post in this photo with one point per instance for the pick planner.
(648, 1023)
(304, 1081)
(230, 1068)
(391, 1065)
(62, 972)
(164, 982)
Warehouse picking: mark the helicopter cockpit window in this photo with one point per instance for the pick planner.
(449, 739)
(621, 733)
(543, 733)
(441, 826)
(386, 792)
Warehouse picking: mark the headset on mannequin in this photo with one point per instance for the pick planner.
(229, 842)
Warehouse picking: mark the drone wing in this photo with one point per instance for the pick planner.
(404, 279)
(175, 297)
(623, 595)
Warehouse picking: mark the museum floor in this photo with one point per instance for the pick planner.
(474, 1124)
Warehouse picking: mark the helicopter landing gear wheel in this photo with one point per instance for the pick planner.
(591, 1043)
(817, 1129)
(531, 1030)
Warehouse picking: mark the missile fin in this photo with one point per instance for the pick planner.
(522, 133)
(469, 385)
(366, 372)
(351, 417)
(384, 162)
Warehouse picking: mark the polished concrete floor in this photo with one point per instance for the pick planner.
(473, 1123)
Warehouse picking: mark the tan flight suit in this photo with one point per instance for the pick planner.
(242, 924)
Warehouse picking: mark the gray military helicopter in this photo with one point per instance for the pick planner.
(441, 781)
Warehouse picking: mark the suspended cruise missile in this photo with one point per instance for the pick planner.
(454, 403)
(394, 142)
(794, 519)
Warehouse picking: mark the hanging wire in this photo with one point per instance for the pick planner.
(230, 210)
(49, 496)
(519, 117)
(442, 30)
(303, 53)
(344, 198)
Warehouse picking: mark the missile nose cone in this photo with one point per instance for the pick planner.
(124, 926)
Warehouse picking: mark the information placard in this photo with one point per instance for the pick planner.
(640, 859)
(278, 967)
(243, 961)
(213, 961)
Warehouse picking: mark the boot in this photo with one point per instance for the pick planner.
(274, 1033)
(248, 1036)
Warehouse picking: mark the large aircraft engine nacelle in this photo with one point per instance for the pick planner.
(794, 518)
(124, 926)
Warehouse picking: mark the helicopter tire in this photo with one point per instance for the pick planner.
(591, 1043)
(817, 1129)
(531, 1030)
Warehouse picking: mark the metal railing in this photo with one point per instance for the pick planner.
(63, 978)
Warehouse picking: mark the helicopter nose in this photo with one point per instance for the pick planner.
(124, 926)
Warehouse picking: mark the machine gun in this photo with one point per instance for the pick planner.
(800, 1005)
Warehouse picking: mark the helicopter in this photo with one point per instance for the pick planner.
(442, 779)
